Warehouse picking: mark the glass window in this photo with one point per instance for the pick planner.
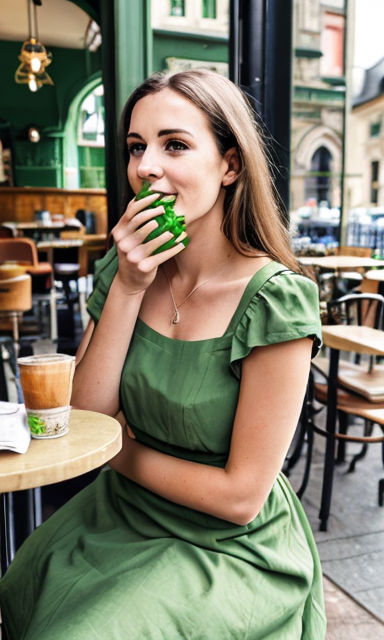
(374, 181)
(90, 142)
(332, 41)
(209, 9)
(91, 119)
(177, 8)
(374, 130)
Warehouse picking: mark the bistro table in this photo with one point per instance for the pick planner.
(59, 243)
(39, 228)
(93, 439)
(340, 262)
(355, 339)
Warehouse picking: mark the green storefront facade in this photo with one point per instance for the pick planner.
(130, 51)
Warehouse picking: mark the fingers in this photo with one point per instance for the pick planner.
(126, 227)
(135, 206)
(153, 261)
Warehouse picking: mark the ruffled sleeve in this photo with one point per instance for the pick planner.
(105, 271)
(285, 308)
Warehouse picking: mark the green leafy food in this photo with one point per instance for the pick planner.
(167, 221)
(36, 425)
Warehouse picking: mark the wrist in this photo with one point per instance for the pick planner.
(120, 286)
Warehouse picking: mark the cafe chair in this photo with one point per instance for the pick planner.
(15, 299)
(348, 388)
(88, 219)
(367, 380)
(6, 232)
(23, 252)
(341, 402)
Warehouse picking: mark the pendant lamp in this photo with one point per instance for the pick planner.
(33, 57)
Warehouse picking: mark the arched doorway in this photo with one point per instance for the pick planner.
(318, 182)
(82, 145)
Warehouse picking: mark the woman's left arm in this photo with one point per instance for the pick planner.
(272, 389)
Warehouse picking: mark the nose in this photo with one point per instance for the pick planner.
(149, 165)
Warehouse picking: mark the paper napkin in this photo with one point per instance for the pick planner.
(14, 431)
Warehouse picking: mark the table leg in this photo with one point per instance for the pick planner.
(34, 509)
(53, 313)
(329, 460)
(7, 531)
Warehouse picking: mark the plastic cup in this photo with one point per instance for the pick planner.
(46, 381)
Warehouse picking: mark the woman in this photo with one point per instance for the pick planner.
(203, 351)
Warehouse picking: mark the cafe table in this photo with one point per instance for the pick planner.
(341, 262)
(92, 440)
(353, 339)
(38, 228)
(50, 245)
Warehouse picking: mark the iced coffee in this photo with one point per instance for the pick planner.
(46, 381)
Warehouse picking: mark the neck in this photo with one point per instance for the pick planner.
(208, 253)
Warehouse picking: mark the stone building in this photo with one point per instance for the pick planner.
(317, 102)
(365, 158)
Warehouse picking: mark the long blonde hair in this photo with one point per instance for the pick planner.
(251, 222)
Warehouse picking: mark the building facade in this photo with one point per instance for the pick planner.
(318, 102)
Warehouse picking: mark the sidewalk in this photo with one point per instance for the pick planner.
(346, 619)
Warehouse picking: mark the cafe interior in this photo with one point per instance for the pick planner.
(68, 66)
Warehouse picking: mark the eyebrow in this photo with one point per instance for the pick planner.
(162, 132)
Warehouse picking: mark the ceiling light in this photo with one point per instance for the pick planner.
(33, 57)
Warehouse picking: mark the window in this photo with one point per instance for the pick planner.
(209, 9)
(318, 183)
(90, 140)
(177, 8)
(332, 45)
(374, 129)
(374, 181)
(91, 119)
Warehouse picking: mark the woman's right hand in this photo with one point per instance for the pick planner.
(137, 266)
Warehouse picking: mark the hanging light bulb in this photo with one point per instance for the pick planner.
(35, 64)
(32, 84)
(33, 57)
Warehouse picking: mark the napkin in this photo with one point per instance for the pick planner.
(14, 431)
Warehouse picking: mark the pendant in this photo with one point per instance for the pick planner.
(176, 317)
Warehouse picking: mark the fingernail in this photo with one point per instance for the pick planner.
(181, 237)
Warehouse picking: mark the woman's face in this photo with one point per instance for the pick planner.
(171, 145)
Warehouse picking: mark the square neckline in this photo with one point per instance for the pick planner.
(277, 267)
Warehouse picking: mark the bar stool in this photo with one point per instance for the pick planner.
(15, 299)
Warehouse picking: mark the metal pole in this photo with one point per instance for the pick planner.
(261, 62)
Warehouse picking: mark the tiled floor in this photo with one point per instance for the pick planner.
(346, 619)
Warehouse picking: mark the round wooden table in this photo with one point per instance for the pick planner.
(341, 262)
(375, 274)
(93, 439)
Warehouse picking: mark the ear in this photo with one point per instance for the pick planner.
(232, 159)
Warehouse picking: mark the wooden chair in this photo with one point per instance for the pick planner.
(366, 341)
(362, 252)
(366, 380)
(15, 298)
(23, 251)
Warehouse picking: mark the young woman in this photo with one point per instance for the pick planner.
(203, 352)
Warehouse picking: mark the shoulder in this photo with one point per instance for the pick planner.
(285, 307)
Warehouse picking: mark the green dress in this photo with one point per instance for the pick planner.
(118, 562)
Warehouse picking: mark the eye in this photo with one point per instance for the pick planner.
(136, 148)
(176, 145)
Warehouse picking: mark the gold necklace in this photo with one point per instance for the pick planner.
(176, 316)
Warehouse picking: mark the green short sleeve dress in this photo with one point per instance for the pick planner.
(119, 562)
